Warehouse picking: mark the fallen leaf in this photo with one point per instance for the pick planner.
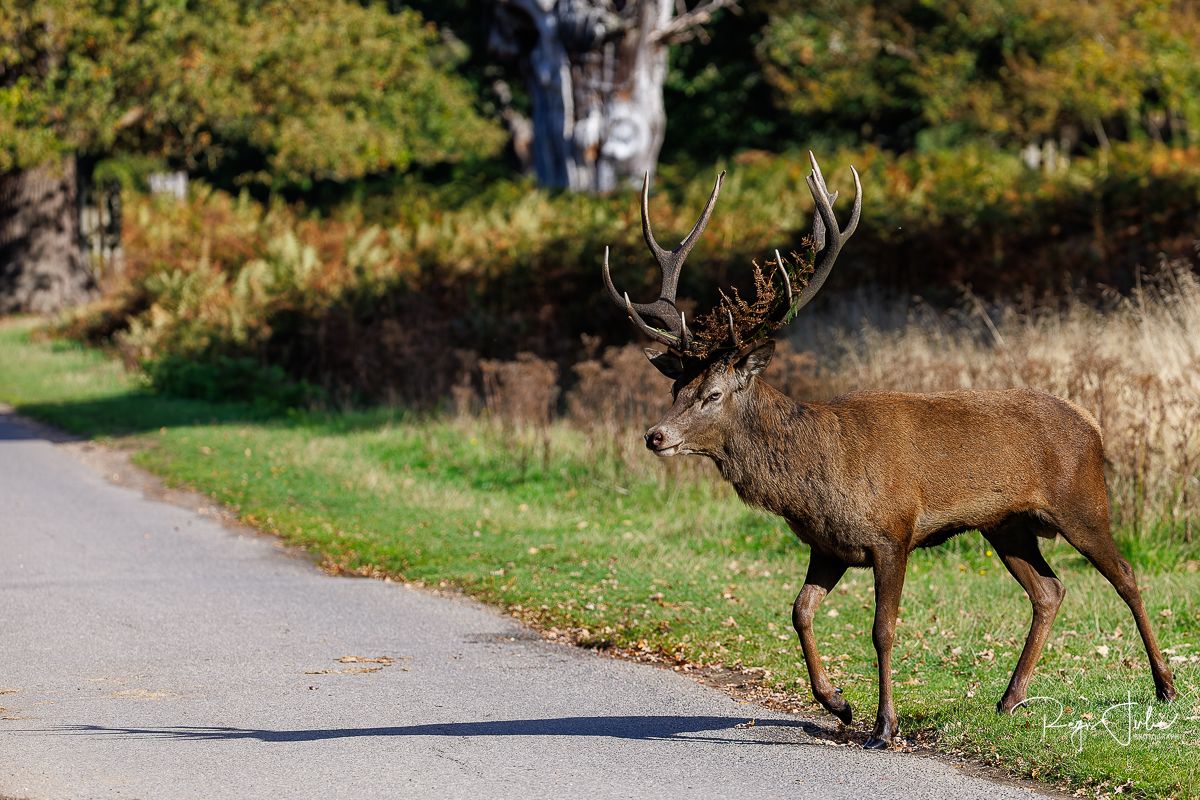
(142, 694)
(387, 661)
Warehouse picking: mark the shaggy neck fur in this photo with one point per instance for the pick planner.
(780, 446)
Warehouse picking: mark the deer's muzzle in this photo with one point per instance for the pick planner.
(656, 442)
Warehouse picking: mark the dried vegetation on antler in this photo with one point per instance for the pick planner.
(736, 322)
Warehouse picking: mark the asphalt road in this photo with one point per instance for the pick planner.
(150, 651)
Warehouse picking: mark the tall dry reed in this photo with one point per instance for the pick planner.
(521, 397)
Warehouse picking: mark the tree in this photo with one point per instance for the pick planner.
(595, 71)
(1012, 72)
(274, 93)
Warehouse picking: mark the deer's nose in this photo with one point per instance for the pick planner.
(654, 439)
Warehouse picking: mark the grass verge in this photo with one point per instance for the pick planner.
(666, 563)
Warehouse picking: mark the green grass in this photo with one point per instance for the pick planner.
(661, 560)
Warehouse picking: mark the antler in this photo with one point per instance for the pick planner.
(747, 322)
(676, 336)
(824, 220)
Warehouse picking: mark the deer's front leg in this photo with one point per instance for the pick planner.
(823, 574)
(889, 583)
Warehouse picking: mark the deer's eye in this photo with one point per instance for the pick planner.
(712, 398)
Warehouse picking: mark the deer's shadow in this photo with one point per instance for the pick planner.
(643, 728)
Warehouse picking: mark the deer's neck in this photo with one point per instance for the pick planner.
(780, 447)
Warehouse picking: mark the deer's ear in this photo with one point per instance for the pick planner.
(753, 361)
(668, 364)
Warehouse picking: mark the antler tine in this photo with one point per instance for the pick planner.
(686, 245)
(647, 233)
(856, 210)
(660, 336)
(824, 221)
(631, 308)
(670, 262)
(787, 282)
(608, 282)
(818, 235)
(816, 168)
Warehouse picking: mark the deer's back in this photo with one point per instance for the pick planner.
(933, 464)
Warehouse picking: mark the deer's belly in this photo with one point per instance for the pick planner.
(981, 512)
(848, 546)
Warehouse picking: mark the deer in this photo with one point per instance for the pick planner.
(868, 477)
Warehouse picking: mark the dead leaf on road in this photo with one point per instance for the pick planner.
(387, 661)
(382, 661)
(142, 694)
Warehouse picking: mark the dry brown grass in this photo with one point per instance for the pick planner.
(1134, 364)
(521, 397)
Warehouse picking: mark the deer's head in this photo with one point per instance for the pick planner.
(714, 367)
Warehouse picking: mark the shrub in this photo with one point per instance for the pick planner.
(374, 311)
(230, 379)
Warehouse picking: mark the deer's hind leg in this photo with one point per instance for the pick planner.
(1016, 544)
(1091, 537)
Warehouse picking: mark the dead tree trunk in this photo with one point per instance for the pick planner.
(42, 263)
(595, 71)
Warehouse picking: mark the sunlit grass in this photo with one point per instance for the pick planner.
(661, 560)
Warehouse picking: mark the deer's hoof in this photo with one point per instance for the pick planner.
(841, 709)
(875, 743)
(836, 704)
(1006, 705)
(1165, 694)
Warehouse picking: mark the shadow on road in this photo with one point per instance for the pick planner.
(16, 429)
(627, 727)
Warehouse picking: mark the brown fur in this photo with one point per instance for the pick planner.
(866, 478)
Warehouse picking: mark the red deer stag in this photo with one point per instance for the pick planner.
(868, 477)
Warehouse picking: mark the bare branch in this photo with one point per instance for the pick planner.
(686, 27)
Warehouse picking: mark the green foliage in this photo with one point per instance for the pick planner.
(129, 171)
(717, 95)
(224, 378)
(269, 92)
(1008, 72)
